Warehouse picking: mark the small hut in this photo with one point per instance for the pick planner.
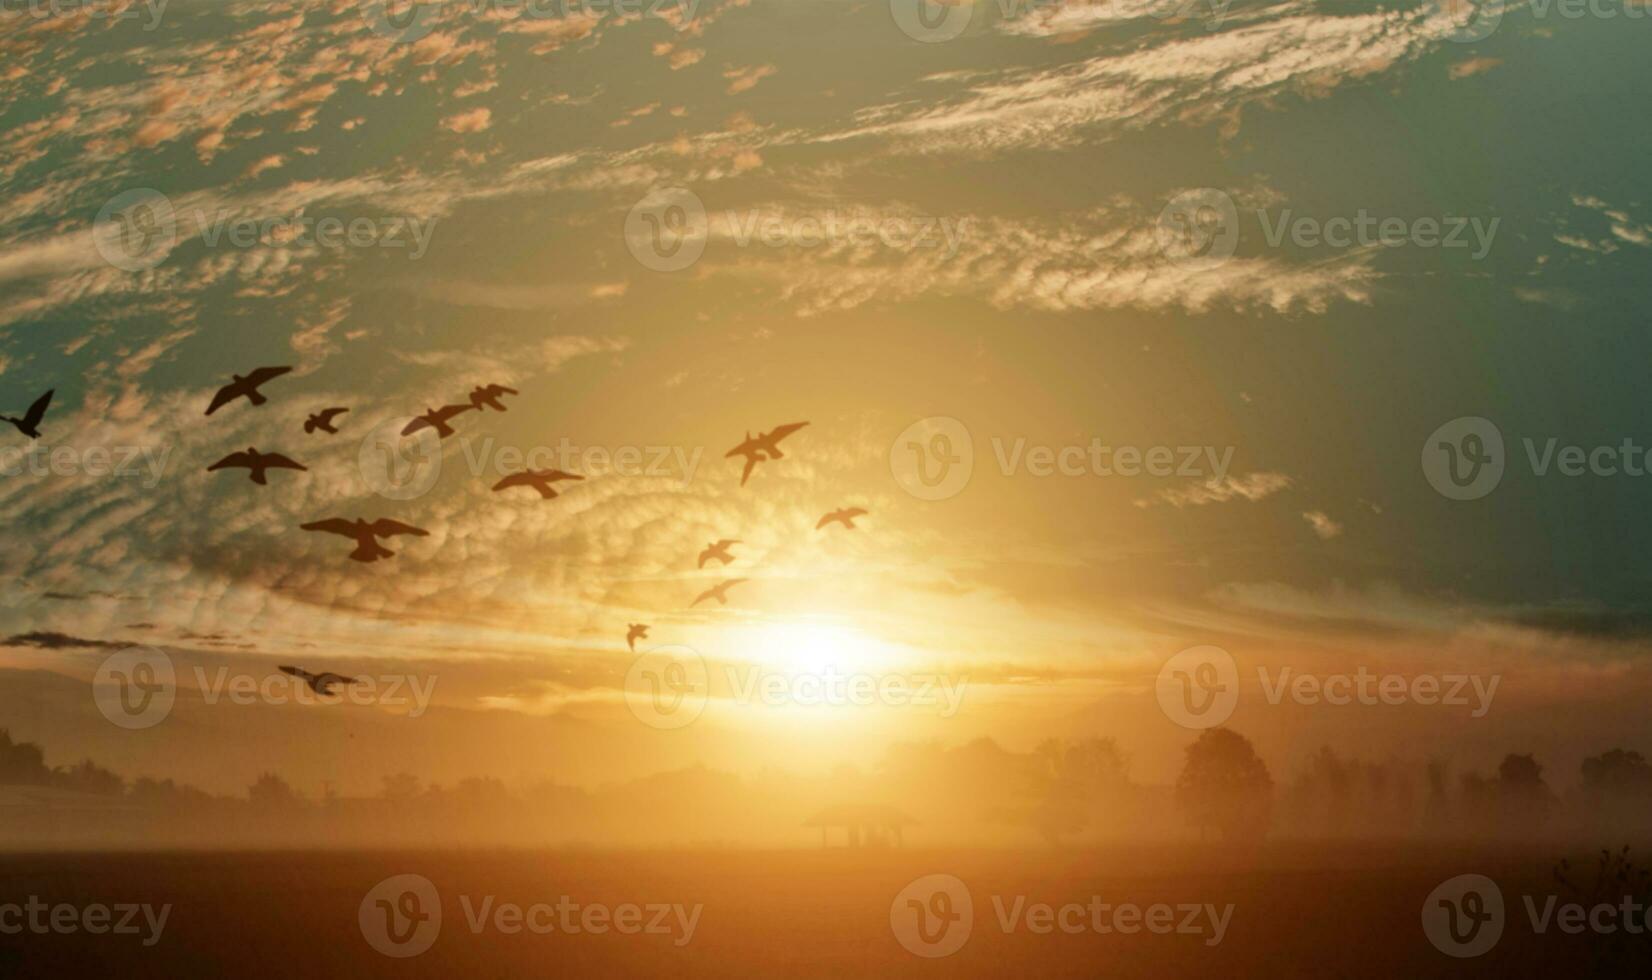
(862, 825)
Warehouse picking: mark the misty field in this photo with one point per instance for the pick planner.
(1307, 911)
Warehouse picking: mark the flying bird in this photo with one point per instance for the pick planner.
(718, 549)
(29, 424)
(257, 462)
(718, 592)
(365, 534)
(437, 418)
(321, 683)
(489, 395)
(846, 517)
(633, 633)
(246, 387)
(540, 480)
(762, 448)
(323, 420)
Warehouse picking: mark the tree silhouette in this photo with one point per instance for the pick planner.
(1225, 787)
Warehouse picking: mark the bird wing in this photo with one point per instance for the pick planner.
(502, 390)
(37, 411)
(419, 422)
(555, 475)
(264, 374)
(707, 594)
(294, 671)
(283, 462)
(854, 512)
(448, 411)
(384, 527)
(731, 583)
(225, 395)
(332, 525)
(725, 542)
(780, 432)
(829, 518)
(514, 480)
(751, 464)
(706, 556)
(745, 448)
(232, 460)
(328, 414)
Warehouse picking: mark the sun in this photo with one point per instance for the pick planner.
(807, 646)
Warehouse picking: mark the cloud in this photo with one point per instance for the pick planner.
(57, 641)
(1322, 524)
(1251, 487)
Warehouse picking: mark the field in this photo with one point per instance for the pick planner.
(1305, 912)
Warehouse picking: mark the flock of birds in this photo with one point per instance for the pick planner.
(366, 534)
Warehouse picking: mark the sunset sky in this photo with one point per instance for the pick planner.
(1020, 175)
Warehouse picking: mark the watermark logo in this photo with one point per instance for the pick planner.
(136, 229)
(1198, 228)
(1199, 687)
(41, 918)
(931, 21)
(400, 467)
(401, 916)
(933, 458)
(667, 687)
(399, 20)
(135, 688)
(1463, 916)
(1464, 459)
(932, 916)
(666, 231)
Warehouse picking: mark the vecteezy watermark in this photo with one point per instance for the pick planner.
(1465, 916)
(409, 20)
(398, 466)
(410, 691)
(144, 463)
(150, 11)
(668, 229)
(1201, 227)
(135, 688)
(669, 686)
(934, 459)
(1474, 691)
(829, 687)
(137, 229)
(1476, 20)
(933, 916)
(1464, 459)
(401, 917)
(1198, 688)
(42, 918)
(931, 21)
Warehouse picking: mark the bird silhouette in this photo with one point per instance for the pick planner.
(718, 549)
(257, 462)
(246, 387)
(365, 534)
(437, 418)
(489, 395)
(633, 633)
(29, 424)
(718, 592)
(323, 420)
(846, 517)
(321, 683)
(540, 480)
(762, 447)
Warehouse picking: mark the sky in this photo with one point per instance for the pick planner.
(999, 256)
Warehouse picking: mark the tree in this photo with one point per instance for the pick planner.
(271, 792)
(1224, 786)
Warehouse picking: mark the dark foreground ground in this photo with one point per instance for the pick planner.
(1298, 912)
